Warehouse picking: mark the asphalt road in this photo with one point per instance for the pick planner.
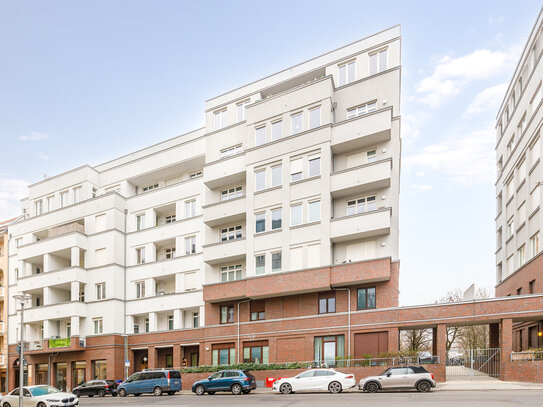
(393, 399)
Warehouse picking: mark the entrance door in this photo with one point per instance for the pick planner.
(79, 374)
(194, 359)
(60, 376)
(329, 353)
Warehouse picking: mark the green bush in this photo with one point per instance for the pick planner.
(59, 343)
(245, 366)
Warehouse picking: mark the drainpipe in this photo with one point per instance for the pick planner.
(52, 355)
(348, 319)
(238, 350)
(125, 336)
(6, 292)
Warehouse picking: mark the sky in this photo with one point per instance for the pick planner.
(83, 82)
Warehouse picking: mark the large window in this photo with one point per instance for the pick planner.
(231, 193)
(260, 135)
(361, 205)
(296, 123)
(170, 322)
(260, 180)
(346, 73)
(510, 227)
(190, 245)
(231, 273)
(170, 252)
(521, 255)
(366, 298)
(223, 354)
(277, 175)
(50, 203)
(39, 207)
(314, 166)
(327, 303)
(329, 348)
(296, 170)
(256, 352)
(77, 195)
(276, 130)
(99, 369)
(227, 314)
(534, 241)
(314, 117)
(277, 218)
(276, 261)
(231, 233)
(190, 208)
(98, 326)
(258, 310)
(63, 199)
(140, 289)
(314, 214)
(361, 110)
(260, 264)
(100, 291)
(240, 110)
(260, 222)
(230, 151)
(140, 255)
(140, 221)
(296, 214)
(378, 62)
(220, 119)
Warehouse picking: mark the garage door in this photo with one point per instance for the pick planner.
(371, 343)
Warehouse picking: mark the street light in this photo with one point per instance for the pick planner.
(22, 299)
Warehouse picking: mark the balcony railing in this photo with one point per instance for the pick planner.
(530, 355)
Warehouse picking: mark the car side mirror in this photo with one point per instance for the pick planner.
(389, 374)
(209, 378)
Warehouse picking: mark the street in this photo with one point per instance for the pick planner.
(353, 398)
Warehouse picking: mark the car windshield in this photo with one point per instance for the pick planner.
(41, 390)
(385, 372)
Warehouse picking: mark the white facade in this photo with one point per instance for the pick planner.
(518, 152)
(294, 171)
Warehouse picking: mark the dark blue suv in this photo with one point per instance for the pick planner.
(236, 381)
(151, 381)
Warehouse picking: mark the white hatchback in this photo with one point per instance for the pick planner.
(315, 380)
(40, 396)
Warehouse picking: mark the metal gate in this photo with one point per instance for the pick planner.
(473, 364)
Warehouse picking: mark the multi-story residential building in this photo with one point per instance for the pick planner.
(519, 222)
(283, 206)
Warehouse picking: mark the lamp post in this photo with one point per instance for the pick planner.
(22, 299)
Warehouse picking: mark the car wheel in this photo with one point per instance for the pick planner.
(157, 391)
(41, 404)
(171, 393)
(236, 389)
(101, 393)
(211, 393)
(76, 393)
(199, 390)
(122, 393)
(372, 387)
(424, 386)
(246, 391)
(334, 387)
(285, 388)
(6, 405)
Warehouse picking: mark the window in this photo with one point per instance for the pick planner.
(260, 135)
(314, 211)
(146, 324)
(327, 303)
(231, 233)
(82, 295)
(195, 174)
(140, 221)
(511, 227)
(521, 170)
(296, 170)
(230, 273)
(258, 310)
(535, 198)
(522, 213)
(521, 255)
(150, 187)
(140, 255)
(260, 222)
(277, 175)
(240, 110)
(378, 62)
(230, 151)
(277, 218)
(227, 314)
(328, 349)
(231, 193)
(296, 123)
(296, 214)
(361, 110)
(195, 320)
(260, 264)
(314, 117)
(260, 180)
(531, 287)
(190, 208)
(361, 205)
(220, 119)
(346, 73)
(276, 130)
(366, 298)
(190, 245)
(98, 325)
(170, 253)
(140, 289)
(511, 264)
(519, 291)
(68, 329)
(189, 281)
(63, 199)
(276, 261)
(511, 145)
(170, 219)
(50, 203)
(256, 352)
(535, 152)
(100, 291)
(77, 195)
(39, 207)
(534, 242)
(371, 156)
(314, 166)
(522, 125)
(170, 322)
(223, 354)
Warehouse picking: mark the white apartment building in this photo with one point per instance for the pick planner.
(295, 171)
(519, 173)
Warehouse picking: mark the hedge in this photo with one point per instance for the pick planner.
(245, 366)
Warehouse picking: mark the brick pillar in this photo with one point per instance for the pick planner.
(393, 340)
(69, 379)
(440, 340)
(177, 356)
(494, 336)
(152, 357)
(506, 345)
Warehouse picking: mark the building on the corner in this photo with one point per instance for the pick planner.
(283, 206)
(519, 221)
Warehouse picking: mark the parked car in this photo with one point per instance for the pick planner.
(404, 377)
(236, 381)
(151, 381)
(315, 380)
(40, 396)
(98, 388)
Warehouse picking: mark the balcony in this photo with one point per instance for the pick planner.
(53, 244)
(226, 171)
(223, 212)
(362, 131)
(56, 311)
(232, 290)
(165, 302)
(227, 251)
(368, 224)
(363, 178)
(75, 343)
(51, 278)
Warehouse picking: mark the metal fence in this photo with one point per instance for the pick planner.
(530, 355)
(473, 364)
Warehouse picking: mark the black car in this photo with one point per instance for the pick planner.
(236, 381)
(96, 388)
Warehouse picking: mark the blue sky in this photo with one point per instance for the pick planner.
(85, 82)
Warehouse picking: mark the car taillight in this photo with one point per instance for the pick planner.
(349, 376)
(247, 379)
(432, 376)
(107, 386)
(168, 375)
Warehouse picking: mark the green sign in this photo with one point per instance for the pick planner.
(59, 343)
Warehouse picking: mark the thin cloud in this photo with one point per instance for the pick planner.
(487, 100)
(495, 20)
(34, 136)
(12, 190)
(42, 155)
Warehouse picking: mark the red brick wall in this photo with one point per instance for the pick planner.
(524, 371)
(533, 270)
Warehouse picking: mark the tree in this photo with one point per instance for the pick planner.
(416, 340)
